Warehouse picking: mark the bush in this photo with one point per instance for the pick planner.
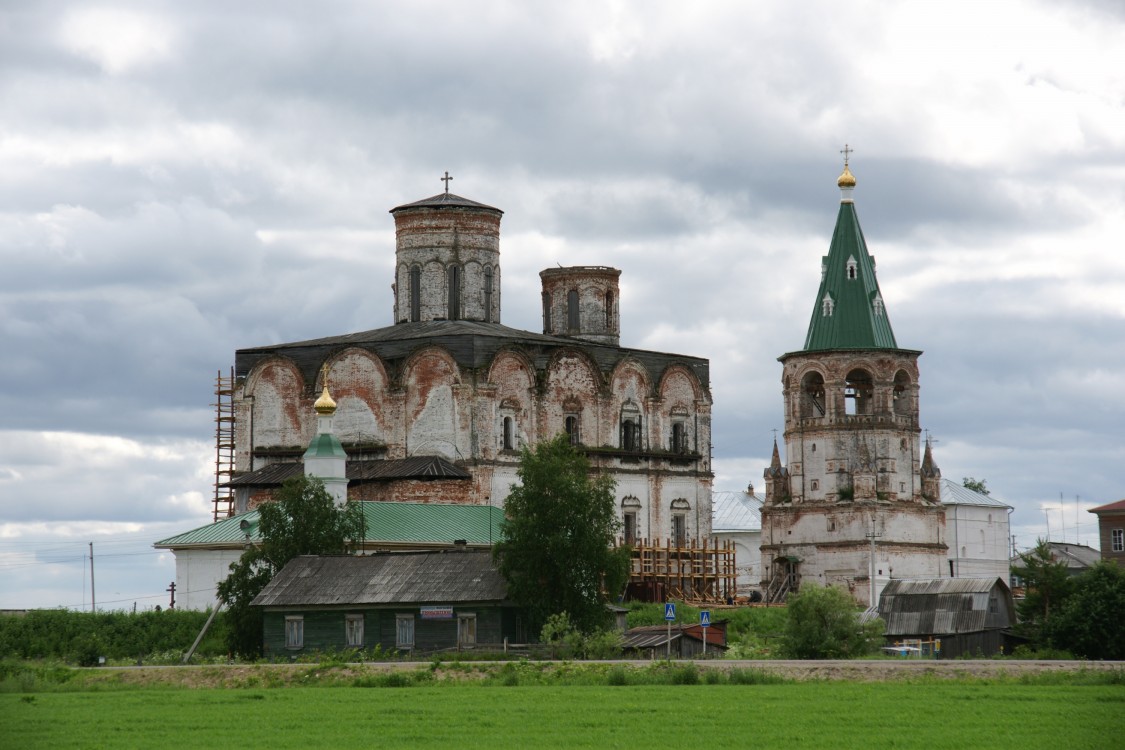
(824, 624)
(564, 641)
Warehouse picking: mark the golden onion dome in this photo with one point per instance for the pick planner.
(847, 179)
(325, 404)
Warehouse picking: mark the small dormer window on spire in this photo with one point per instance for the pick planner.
(827, 306)
(852, 267)
(877, 305)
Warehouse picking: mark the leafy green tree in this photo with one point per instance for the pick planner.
(1091, 622)
(976, 485)
(302, 520)
(824, 624)
(560, 523)
(1047, 584)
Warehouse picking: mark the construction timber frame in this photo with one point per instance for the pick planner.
(696, 572)
(224, 444)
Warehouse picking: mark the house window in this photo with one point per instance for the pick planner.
(572, 429)
(630, 527)
(415, 294)
(572, 311)
(508, 441)
(488, 294)
(466, 630)
(993, 605)
(404, 631)
(454, 275)
(294, 631)
(353, 630)
(679, 529)
(1117, 540)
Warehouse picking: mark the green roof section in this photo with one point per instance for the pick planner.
(325, 446)
(849, 312)
(384, 522)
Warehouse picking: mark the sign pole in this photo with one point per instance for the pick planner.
(669, 615)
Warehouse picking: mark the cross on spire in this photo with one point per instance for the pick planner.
(446, 180)
(846, 151)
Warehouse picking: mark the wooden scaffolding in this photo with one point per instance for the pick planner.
(693, 571)
(224, 444)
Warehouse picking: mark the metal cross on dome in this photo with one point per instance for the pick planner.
(846, 151)
(446, 180)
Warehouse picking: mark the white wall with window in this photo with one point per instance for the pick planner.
(404, 631)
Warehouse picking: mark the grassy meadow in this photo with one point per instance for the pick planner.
(524, 706)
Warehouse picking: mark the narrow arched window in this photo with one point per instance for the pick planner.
(827, 305)
(679, 438)
(508, 441)
(572, 429)
(546, 313)
(488, 294)
(415, 294)
(454, 278)
(572, 310)
(609, 310)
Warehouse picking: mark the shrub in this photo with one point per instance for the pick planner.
(824, 624)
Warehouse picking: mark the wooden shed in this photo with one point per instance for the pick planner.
(404, 601)
(949, 617)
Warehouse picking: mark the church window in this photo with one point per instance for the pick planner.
(546, 313)
(679, 438)
(812, 395)
(454, 277)
(404, 631)
(679, 530)
(877, 304)
(852, 265)
(630, 435)
(609, 310)
(572, 429)
(466, 630)
(294, 631)
(572, 321)
(814, 447)
(815, 485)
(1117, 540)
(831, 524)
(827, 305)
(509, 443)
(902, 395)
(353, 630)
(630, 527)
(488, 294)
(858, 392)
(415, 294)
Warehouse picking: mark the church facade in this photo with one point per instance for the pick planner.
(859, 499)
(436, 407)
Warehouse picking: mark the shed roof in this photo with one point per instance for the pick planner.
(384, 522)
(449, 577)
(943, 606)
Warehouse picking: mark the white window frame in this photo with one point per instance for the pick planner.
(466, 629)
(294, 631)
(1117, 540)
(404, 631)
(353, 631)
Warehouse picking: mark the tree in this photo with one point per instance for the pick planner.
(1047, 584)
(1091, 622)
(302, 520)
(976, 485)
(560, 523)
(824, 624)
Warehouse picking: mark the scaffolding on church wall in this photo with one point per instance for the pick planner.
(224, 444)
(693, 571)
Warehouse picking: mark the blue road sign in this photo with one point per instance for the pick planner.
(670, 611)
(704, 618)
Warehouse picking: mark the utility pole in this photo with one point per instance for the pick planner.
(93, 601)
(172, 590)
(872, 535)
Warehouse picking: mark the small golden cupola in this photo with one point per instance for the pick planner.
(325, 405)
(847, 179)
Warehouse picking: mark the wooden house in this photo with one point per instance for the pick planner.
(948, 617)
(404, 601)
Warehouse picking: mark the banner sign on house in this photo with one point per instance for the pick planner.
(437, 613)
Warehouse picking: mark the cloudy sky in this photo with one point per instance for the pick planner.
(179, 180)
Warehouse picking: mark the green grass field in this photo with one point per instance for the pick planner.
(947, 714)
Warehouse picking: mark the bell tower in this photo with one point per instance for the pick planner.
(852, 503)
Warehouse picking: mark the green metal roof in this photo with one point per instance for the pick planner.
(384, 522)
(854, 317)
(325, 446)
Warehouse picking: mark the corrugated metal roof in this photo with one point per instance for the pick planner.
(735, 511)
(955, 494)
(392, 523)
(943, 606)
(386, 578)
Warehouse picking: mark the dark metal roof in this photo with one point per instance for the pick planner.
(473, 344)
(390, 578)
(414, 467)
(945, 606)
(445, 200)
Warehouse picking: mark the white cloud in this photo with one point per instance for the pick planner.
(117, 40)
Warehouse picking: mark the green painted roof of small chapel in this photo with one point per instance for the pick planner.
(858, 319)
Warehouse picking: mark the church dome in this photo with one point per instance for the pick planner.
(847, 179)
(325, 405)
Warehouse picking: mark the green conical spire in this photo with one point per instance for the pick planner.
(849, 312)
